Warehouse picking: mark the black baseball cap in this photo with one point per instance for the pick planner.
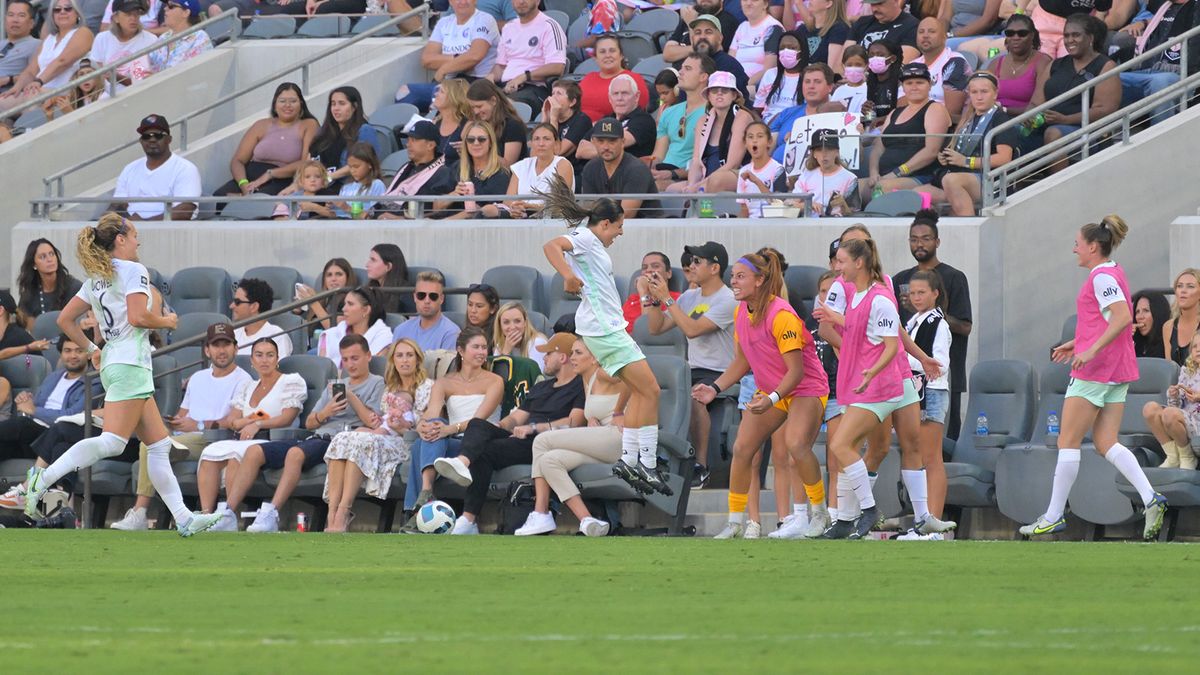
(425, 131)
(7, 302)
(154, 122)
(833, 248)
(608, 127)
(142, 6)
(825, 138)
(914, 71)
(710, 251)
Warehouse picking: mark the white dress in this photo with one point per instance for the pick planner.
(289, 391)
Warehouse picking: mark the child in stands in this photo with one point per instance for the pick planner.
(364, 174)
(310, 179)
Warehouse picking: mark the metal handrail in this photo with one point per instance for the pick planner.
(110, 71)
(302, 65)
(993, 174)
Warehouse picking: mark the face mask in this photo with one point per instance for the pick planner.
(789, 57)
(878, 64)
(855, 74)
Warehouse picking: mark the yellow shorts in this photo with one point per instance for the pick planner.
(785, 403)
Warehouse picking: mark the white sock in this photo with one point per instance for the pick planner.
(221, 507)
(1064, 477)
(629, 445)
(648, 446)
(833, 514)
(801, 516)
(800, 509)
(848, 508)
(737, 517)
(1120, 457)
(158, 465)
(268, 507)
(918, 491)
(84, 454)
(873, 476)
(856, 473)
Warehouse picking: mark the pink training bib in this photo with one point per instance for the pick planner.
(858, 354)
(761, 350)
(1117, 362)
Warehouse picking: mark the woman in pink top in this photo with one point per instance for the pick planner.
(272, 149)
(770, 340)
(1103, 364)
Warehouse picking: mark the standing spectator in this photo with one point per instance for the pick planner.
(453, 112)
(15, 340)
(430, 329)
(462, 44)
(704, 314)
(1150, 312)
(20, 45)
(638, 124)
(901, 159)
(337, 273)
(532, 51)
(1171, 19)
(756, 42)
(720, 149)
(888, 21)
(491, 106)
(654, 264)
(948, 69)
(514, 335)
(677, 125)
(707, 40)
(124, 37)
(534, 173)
(66, 41)
(161, 174)
(1021, 65)
(361, 315)
(482, 304)
(480, 171)
(44, 283)
(923, 241)
(561, 111)
(425, 172)
(614, 171)
(253, 297)
(780, 86)
(273, 149)
(178, 16)
(345, 124)
(387, 268)
(679, 45)
(596, 86)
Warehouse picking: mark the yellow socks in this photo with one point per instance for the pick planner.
(815, 492)
(737, 502)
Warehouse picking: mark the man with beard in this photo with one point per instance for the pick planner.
(707, 38)
(614, 171)
(680, 43)
(160, 174)
(889, 21)
(923, 241)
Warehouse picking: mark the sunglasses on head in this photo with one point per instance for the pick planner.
(1017, 32)
(479, 288)
(153, 136)
(474, 140)
(421, 295)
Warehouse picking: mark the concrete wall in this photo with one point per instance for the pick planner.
(1185, 248)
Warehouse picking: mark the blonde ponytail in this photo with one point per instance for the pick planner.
(95, 244)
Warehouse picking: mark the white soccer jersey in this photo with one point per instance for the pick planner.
(600, 311)
(123, 343)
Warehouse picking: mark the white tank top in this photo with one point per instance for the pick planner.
(528, 179)
(52, 47)
(462, 407)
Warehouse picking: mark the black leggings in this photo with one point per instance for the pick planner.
(489, 448)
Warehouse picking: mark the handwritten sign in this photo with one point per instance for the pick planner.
(846, 126)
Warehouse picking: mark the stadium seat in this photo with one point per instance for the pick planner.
(517, 283)
(578, 28)
(636, 46)
(523, 111)
(391, 165)
(561, 302)
(168, 388)
(459, 318)
(222, 30)
(541, 323)
(671, 342)
(971, 58)
(25, 372)
(653, 24)
(1025, 473)
(282, 281)
(588, 66)
(568, 7)
(372, 20)
(893, 204)
(265, 28)
(195, 323)
(387, 139)
(290, 324)
(243, 361)
(247, 209)
(393, 115)
(45, 326)
(650, 67)
(801, 282)
(561, 17)
(201, 289)
(325, 26)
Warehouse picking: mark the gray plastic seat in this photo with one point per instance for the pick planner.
(265, 28)
(541, 323)
(560, 17)
(282, 281)
(290, 324)
(372, 20)
(636, 46)
(1025, 473)
(201, 289)
(894, 204)
(317, 372)
(393, 115)
(195, 323)
(25, 372)
(247, 209)
(588, 66)
(45, 326)
(801, 282)
(324, 26)
(653, 23)
(1004, 390)
(650, 67)
(391, 165)
(524, 111)
(168, 389)
(517, 283)
(671, 343)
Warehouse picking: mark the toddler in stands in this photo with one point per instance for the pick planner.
(310, 179)
(1184, 397)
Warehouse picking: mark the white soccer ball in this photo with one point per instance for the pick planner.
(436, 517)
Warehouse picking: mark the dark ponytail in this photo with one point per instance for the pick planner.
(561, 203)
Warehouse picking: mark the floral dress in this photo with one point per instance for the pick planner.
(378, 455)
(1191, 409)
(176, 53)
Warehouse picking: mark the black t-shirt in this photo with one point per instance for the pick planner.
(631, 177)
(445, 147)
(1065, 8)
(496, 184)
(575, 129)
(729, 26)
(15, 336)
(546, 402)
(958, 298)
(1010, 137)
(41, 302)
(903, 30)
(641, 125)
(818, 47)
(514, 132)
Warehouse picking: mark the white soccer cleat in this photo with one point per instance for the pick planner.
(135, 519)
(267, 520)
(199, 522)
(731, 531)
(818, 522)
(931, 524)
(792, 528)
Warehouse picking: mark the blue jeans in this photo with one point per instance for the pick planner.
(419, 94)
(1138, 84)
(423, 453)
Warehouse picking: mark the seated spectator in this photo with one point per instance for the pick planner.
(337, 273)
(1019, 68)
(907, 162)
(960, 183)
(351, 408)
(15, 340)
(615, 172)
(251, 298)
(345, 125)
(471, 392)
(637, 123)
(852, 93)
(971, 17)
(708, 40)
(311, 180)
(178, 16)
(1176, 424)
(206, 405)
(272, 149)
(826, 177)
(883, 84)
(887, 21)
(500, 10)
(387, 268)
(369, 458)
(596, 86)
(557, 453)
(66, 41)
(85, 93)
(826, 29)
(1171, 19)
(760, 172)
(44, 282)
(677, 124)
(430, 329)
(161, 173)
(362, 181)
(425, 172)
(20, 46)
(534, 173)
(514, 335)
(655, 264)
(561, 111)
(491, 106)
(666, 87)
(756, 42)
(533, 51)
(679, 45)
(948, 69)
(1085, 60)
(1178, 331)
(980, 46)
(779, 88)
(1151, 311)
(463, 44)
(124, 37)
(720, 149)
(551, 403)
(272, 401)
(1050, 17)
(361, 315)
(150, 19)
(479, 172)
(453, 111)
(482, 304)
(313, 7)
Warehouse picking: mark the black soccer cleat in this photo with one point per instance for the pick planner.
(840, 529)
(866, 523)
(654, 479)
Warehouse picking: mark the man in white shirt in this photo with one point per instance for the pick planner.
(463, 43)
(254, 296)
(160, 174)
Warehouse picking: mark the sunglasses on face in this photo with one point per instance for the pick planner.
(476, 140)
(154, 136)
(236, 301)
(421, 295)
(1017, 32)
(63, 10)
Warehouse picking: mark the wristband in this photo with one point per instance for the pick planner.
(774, 396)
(243, 182)
(91, 348)
(904, 170)
(39, 81)
(716, 387)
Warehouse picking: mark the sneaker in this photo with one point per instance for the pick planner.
(1043, 526)
(14, 498)
(536, 523)
(630, 475)
(35, 488)
(753, 530)
(932, 523)
(914, 534)
(1155, 511)
(840, 529)
(652, 477)
(866, 523)
(198, 523)
(700, 474)
(452, 468)
(731, 531)
(135, 519)
(818, 522)
(464, 526)
(791, 528)
(227, 523)
(423, 498)
(593, 527)
(267, 520)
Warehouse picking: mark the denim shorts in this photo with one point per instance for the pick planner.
(833, 409)
(937, 406)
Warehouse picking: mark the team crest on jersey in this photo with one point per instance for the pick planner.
(533, 41)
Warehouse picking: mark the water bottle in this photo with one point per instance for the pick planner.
(981, 425)
(706, 206)
(877, 192)
(356, 210)
(1052, 423)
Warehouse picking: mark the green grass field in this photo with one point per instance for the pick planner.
(103, 601)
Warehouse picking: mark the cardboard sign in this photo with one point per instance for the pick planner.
(844, 123)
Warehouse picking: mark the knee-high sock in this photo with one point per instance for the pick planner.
(158, 464)
(648, 446)
(629, 445)
(1064, 477)
(737, 506)
(848, 507)
(1120, 457)
(918, 491)
(84, 454)
(856, 473)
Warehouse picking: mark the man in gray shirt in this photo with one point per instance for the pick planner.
(19, 44)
